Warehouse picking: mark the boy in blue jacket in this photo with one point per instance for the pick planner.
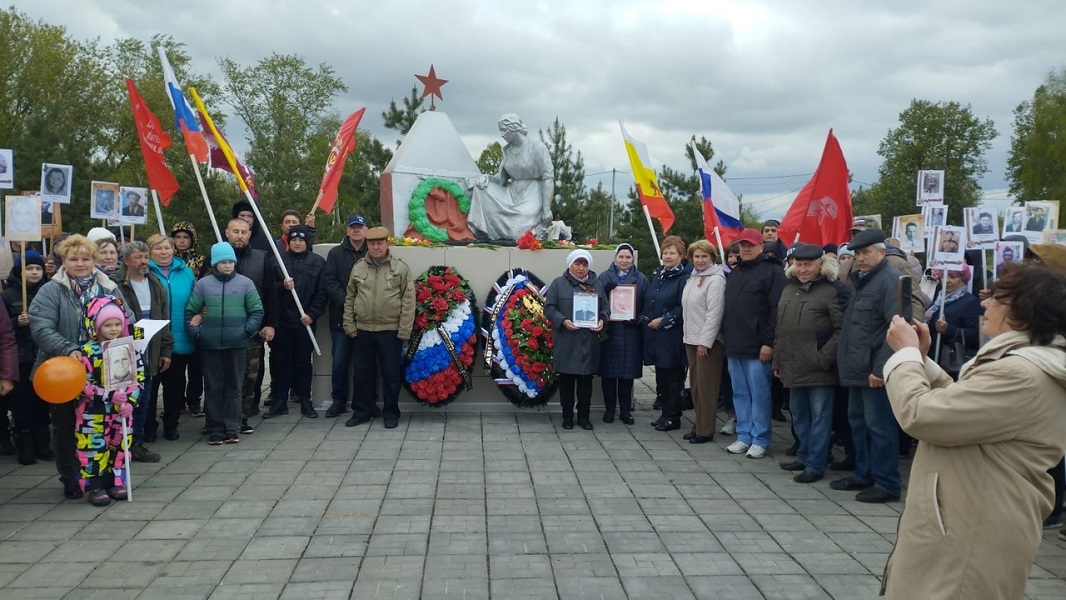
(233, 313)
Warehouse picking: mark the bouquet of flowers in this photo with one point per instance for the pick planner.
(443, 344)
(528, 241)
(518, 339)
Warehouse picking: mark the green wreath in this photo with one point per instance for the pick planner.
(416, 209)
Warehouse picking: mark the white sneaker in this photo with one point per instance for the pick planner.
(737, 447)
(756, 452)
(730, 428)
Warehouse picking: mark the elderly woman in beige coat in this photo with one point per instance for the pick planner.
(979, 488)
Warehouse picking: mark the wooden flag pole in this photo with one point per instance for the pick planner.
(281, 265)
(158, 213)
(22, 252)
(317, 201)
(940, 315)
(651, 229)
(133, 232)
(721, 250)
(207, 203)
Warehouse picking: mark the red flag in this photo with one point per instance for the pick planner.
(821, 213)
(217, 156)
(338, 154)
(153, 140)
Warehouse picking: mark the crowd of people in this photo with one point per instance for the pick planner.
(816, 329)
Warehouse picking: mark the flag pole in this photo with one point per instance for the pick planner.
(158, 212)
(940, 315)
(721, 250)
(207, 203)
(281, 263)
(22, 252)
(651, 229)
(317, 201)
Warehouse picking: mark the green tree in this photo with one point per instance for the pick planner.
(287, 107)
(491, 158)
(570, 192)
(401, 119)
(933, 135)
(1037, 156)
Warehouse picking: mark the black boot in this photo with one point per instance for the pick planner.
(307, 410)
(276, 410)
(41, 438)
(24, 447)
(6, 448)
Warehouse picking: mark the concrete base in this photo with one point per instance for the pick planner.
(481, 267)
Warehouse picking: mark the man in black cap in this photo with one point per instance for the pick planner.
(339, 263)
(291, 349)
(260, 240)
(861, 358)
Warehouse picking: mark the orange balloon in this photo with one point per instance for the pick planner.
(60, 379)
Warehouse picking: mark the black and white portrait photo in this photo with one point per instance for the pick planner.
(7, 169)
(930, 187)
(133, 205)
(56, 183)
(104, 197)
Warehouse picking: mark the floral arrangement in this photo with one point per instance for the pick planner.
(528, 241)
(444, 340)
(518, 339)
(416, 207)
(407, 241)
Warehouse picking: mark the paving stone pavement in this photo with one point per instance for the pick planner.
(459, 505)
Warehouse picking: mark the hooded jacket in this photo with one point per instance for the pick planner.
(234, 311)
(178, 284)
(92, 357)
(191, 257)
(979, 488)
(809, 318)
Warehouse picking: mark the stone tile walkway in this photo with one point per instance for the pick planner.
(453, 505)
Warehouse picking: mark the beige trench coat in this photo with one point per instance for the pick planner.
(979, 489)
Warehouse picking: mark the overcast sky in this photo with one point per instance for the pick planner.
(764, 81)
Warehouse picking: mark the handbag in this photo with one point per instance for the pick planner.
(953, 353)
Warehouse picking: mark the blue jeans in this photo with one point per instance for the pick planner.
(751, 399)
(140, 411)
(812, 420)
(342, 362)
(874, 429)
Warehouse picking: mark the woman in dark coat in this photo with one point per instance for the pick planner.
(576, 351)
(962, 313)
(622, 354)
(664, 346)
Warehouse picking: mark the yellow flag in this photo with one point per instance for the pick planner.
(220, 139)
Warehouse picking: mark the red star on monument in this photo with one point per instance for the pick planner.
(433, 85)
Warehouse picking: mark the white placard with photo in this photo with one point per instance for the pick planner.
(980, 227)
(1005, 253)
(949, 247)
(1014, 221)
(56, 181)
(911, 234)
(934, 214)
(930, 187)
(120, 364)
(624, 303)
(104, 200)
(22, 218)
(133, 205)
(7, 169)
(586, 310)
(1040, 216)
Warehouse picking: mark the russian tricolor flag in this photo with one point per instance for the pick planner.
(721, 208)
(184, 116)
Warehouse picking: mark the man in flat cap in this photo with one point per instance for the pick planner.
(379, 313)
(861, 356)
(809, 318)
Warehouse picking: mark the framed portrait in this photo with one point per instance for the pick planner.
(930, 187)
(934, 214)
(133, 205)
(949, 247)
(22, 218)
(1013, 220)
(586, 310)
(1055, 236)
(624, 302)
(56, 182)
(1005, 253)
(7, 169)
(980, 226)
(103, 200)
(120, 364)
(911, 233)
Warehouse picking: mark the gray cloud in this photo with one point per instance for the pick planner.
(763, 81)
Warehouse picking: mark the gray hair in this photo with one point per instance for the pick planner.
(512, 122)
(134, 246)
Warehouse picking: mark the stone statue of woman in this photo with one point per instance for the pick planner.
(518, 199)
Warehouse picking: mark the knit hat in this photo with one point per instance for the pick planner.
(109, 311)
(299, 231)
(33, 257)
(830, 248)
(580, 253)
(844, 250)
(241, 206)
(99, 233)
(964, 274)
(222, 251)
(99, 310)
